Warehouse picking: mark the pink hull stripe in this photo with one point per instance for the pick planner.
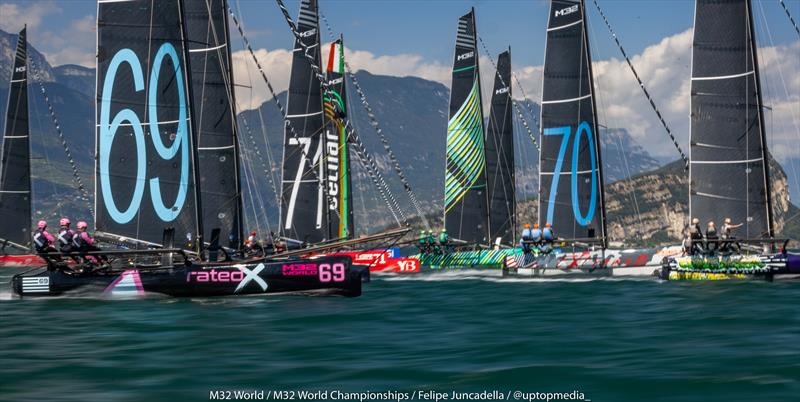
(125, 280)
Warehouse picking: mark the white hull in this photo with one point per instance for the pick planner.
(599, 263)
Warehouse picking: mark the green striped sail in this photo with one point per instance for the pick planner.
(466, 160)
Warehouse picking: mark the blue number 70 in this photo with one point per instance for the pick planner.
(566, 132)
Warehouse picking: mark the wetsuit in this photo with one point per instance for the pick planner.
(83, 242)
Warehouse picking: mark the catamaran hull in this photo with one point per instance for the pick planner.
(620, 263)
(488, 260)
(737, 267)
(21, 261)
(327, 276)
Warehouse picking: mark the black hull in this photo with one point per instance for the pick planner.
(769, 267)
(330, 276)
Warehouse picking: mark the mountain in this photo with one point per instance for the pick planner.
(413, 116)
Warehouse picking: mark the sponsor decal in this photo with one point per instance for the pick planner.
(335, 81)
(566, 11)
(501, 91)
(251, 276)
(408, 265)
(36, 285)
(465, 56)
(326, 272)
(332, 159)
(127, 284)
(300, 269)
(20, 69)
(215, 276)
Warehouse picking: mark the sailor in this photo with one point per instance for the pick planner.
(423, 241)
(696, 236)
(444, 238)
(712, 239)
(84, 242)
(536, 235)
(65, 235)
(547, 234)
(687, 241)
(727, 234)
(270, 241)
(42, 239)
(526, 239)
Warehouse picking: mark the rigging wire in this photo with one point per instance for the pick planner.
(513, 102)
(641, 85)
(76, 177)
(791, 19)
(370, 113)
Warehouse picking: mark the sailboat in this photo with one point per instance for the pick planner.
(15, 172)
(149, 165)
(729, 168)
(571, 190)
(479, 183)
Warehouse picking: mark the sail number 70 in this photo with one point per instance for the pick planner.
(566, 133)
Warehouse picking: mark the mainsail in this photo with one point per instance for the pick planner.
(303, 213)
(145, 170)
(337, 153)
(570, 177)
(214, 111)
(465, 198)
(15, 176)
(500, 155)
(728, 171)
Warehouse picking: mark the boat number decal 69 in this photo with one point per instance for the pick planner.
(326, 273)
(109, 127)
(566, 133)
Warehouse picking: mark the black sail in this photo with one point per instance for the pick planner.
(729, 176)
(145, 140)
(337, 152)
(15, 173)
(465, 200)
(500, 155)
(214, 112)
(570, 178)
(303, 213)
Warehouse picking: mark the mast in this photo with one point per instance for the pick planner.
(303, 213)
(215, 111)
(466, 195)
(571, 194)
(15, 173)
(729, 163)
(146, 159)
(337, 151)
(500, 155)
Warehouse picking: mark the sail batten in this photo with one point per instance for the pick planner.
(15, 172)
(729, 176)
(571, 196)
(466, 194)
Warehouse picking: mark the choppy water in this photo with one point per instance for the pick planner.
(612, 340)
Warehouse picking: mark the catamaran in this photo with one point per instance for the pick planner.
(571, 190)
(729, 170)
(15, 172)
(158, 141)
(479, 203)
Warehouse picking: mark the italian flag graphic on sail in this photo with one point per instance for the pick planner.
(336, 58)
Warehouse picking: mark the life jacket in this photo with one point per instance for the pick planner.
(536, 235)
(78, 240)
(547, 233)
(443, 238)
(41, 239)
(65, 237)
(526, 235)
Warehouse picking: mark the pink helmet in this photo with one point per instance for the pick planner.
(82, 225)
(64, 222)
(41, 224)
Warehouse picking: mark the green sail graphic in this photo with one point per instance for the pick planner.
(466, 160)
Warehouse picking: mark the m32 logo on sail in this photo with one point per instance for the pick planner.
(566, 11)
(307, 34)
(465, 56)
(501, 91)
(20, 69)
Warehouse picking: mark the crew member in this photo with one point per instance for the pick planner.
(712, 239)
(444, 238)
(727, 234)
(547, 234)
(84, 242)
(42, 239)
(65, 237)
(423, 241)
(536, 235)
(696, 237)
(526, 238)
